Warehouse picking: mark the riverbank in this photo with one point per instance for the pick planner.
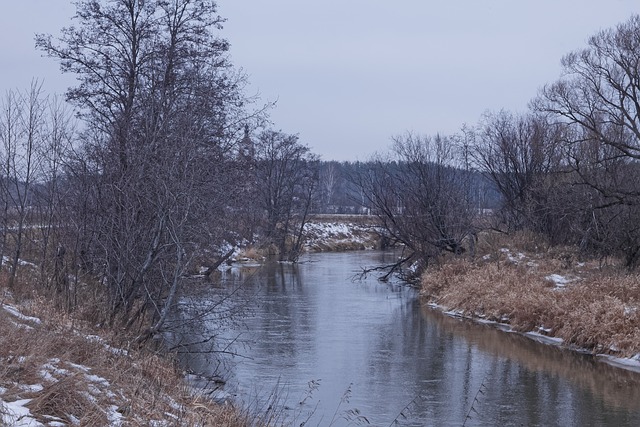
(56, 370)
(338, 233)
(550, 294)
(325, 233)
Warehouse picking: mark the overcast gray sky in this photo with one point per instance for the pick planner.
(349, 74)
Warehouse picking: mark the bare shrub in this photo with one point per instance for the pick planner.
(490, 242)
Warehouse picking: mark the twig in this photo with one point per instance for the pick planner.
(481, 390)
(401, 413)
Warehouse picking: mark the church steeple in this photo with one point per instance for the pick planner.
(246, 148)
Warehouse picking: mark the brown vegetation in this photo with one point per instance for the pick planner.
(587, 304)
(73, 376)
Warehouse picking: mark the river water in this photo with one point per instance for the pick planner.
(317, 346)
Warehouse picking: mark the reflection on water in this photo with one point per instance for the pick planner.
(617, 387)
(313, 322)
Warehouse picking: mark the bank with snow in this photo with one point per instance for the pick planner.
(550, 296)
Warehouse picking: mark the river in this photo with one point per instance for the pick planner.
(318, 346)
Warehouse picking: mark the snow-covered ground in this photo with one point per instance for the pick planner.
(16, 397)
(16, 413)
(340, 235)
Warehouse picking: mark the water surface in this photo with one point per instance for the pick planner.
(350, 350)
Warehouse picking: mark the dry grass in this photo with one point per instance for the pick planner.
(75, 377)
(598, 309)
(250, 254)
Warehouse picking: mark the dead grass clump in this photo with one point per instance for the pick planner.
(203, 412)
(69, 399)
(435, 282)
(492, 291)
(42, 345)
(251, 253)
(593, 308)
(601, 313)
(592, 323)
(153, 388)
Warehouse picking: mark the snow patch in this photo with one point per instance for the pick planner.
(543, 338)
(114, 417)
(455, 313)
(7, 260)
(97, 379)
(79, 367)
(50, 371)
(33, 388)
(170, 415)
(326, 233)
(558, 280)
(17, 414)
(21, 325)
(116, 351)
(514, 258)
(505, 327)
(15, 312)
(631, 363)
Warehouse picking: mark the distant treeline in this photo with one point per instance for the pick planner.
(340, 193)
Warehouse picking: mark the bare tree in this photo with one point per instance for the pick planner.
(154, 176)
(22, 133)
(598, 99)
(422, 197)
(9, 132)
(519, 154)
(59, 133)
(328, 179)
(287, 180)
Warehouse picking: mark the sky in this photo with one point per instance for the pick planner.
(348, 75)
